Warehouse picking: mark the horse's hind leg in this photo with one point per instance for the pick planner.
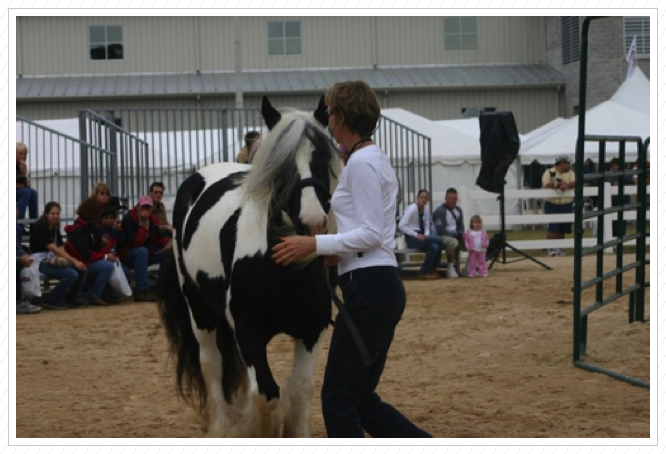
(214, 423)
(298, 396)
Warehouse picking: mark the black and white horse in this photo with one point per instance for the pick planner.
(225, 298)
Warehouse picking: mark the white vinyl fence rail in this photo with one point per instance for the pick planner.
(528, 218)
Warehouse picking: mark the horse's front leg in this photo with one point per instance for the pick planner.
(298, 396)
(258, 416)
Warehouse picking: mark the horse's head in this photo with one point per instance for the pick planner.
(298, 161)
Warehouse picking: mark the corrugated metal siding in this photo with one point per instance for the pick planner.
(531, 108)
(325, 42)
(420, 40)
(59, 45)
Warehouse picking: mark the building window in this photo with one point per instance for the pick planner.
(106, 42)
(570, 39)
(284, 37)
(460, 33)
(640, 28)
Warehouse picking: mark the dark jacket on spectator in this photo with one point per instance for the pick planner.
(84, 242)
(116, 238)
(138, 236)
(41, 236)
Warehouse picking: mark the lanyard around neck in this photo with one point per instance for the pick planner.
(356, 146)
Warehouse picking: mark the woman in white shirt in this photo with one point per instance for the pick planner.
(364, 205)
(416, 224)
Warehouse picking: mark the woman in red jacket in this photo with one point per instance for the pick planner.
(85, 244)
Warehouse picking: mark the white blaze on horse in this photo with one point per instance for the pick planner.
(225, 298)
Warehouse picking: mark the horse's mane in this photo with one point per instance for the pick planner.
(274, 163)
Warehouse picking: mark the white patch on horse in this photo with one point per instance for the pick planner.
(311, 211)
(203, 253)
(253, 222)
(216, 172)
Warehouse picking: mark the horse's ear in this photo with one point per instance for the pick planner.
(320, 112)
(271, 116)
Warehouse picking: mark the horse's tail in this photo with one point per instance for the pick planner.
(175, 316)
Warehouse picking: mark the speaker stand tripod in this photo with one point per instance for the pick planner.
(505, 244)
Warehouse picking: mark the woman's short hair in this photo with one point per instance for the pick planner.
(422, 191)
(358, 103)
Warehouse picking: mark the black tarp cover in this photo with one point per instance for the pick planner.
(499, 148)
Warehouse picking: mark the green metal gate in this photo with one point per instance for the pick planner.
(635, 289)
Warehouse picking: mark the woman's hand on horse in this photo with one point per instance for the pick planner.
(293, 248)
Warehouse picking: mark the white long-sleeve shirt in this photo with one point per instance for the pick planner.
(364, 206)
(410, 223)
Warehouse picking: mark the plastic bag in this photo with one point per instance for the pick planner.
(30, 287)
(118, 281)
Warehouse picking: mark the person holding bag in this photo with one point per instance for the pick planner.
(47, 249)
(23, 260)
(85, 244)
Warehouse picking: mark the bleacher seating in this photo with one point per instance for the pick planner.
(413, 258)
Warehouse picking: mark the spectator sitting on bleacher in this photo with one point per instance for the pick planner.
(111, 231)
(448, 220)
(47, 250)
(85, 243)
(114, 238)
(159, 210)
(144, 247)
(99, 200)
(416, 224)
(26, 197)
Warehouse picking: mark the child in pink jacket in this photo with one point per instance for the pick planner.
(476, 242)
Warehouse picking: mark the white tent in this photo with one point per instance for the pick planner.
(608, 119)
(625, 114)
(634, 92)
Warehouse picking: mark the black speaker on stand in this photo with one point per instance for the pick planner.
(499, 148)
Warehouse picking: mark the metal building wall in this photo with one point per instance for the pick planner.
(408, 40)
(59, 45)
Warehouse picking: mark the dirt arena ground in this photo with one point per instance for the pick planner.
(471, 358)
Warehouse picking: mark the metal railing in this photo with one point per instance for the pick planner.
(54, 164)
(124, 162)
(182, 141)
(410, 154)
